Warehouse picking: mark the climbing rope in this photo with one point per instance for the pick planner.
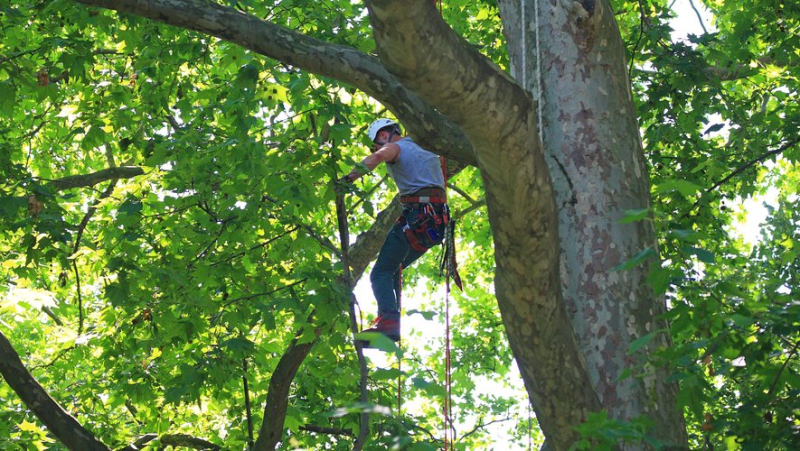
(449, 270)
(539, 93)
(449, 432)
(399, 356)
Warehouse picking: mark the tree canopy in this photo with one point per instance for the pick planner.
(169, 240)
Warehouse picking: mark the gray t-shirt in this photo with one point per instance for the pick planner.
(415, 168)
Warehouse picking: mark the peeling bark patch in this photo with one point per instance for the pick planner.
(588, 5)
(553, 62)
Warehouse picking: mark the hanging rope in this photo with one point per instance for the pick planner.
(539, 99)
(448, 269)
(523, 45)
(400, 356)
(449, 432)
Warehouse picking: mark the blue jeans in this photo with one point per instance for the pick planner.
(385, 275)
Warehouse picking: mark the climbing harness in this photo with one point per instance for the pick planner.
(424, 225)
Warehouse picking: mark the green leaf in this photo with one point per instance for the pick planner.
(130, 207)
(634, 215)
(641, 342)
(309, 335)
(701, 254)
(742, 320)
(240, 346)
(379, 341)
(10, 206)
(427, 314)
(386, 374)
(635, 260)
(8, 95)
(684, 187)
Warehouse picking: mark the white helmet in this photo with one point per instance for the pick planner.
(376, 126)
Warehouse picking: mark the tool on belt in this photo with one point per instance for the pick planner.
(425, 228)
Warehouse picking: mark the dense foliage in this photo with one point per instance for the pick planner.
(721, 124)
(142, 303)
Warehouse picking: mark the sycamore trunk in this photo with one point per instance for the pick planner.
(571, 57)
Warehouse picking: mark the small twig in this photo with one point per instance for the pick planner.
(257, 246)
(266, 293)
(326, 430)
(483, 425)
(247, 405)
(140, 442)
(470, 209)
(176, 210)
(55, 359)
(81, 227)
(783, 367)
(743, 168)
(638, 41)
(49, 312)
(18, 54)
(699, 17)
(133, 411)
(210, 245)
(80, 297)
(344, 238)
(461, 193)
(88, 216)
(35, 131)
(368, 193)
(322, 241)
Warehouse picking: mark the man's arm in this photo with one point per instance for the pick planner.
(388, 152)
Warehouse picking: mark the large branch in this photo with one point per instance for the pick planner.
(86, 180)
(280, 383)
(58, 421)
(342, 63)
(499, 118)
(426, 55)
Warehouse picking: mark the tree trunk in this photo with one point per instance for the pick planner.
(499, 119)
(591, 139)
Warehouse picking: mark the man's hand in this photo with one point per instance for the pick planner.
(343, 184)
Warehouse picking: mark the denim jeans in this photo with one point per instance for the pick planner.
(385, 275)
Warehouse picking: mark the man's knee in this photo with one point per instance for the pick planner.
(378, 273)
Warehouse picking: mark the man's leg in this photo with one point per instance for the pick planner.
(411, 256)
(384, 275)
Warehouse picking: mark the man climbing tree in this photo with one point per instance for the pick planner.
(420, 184)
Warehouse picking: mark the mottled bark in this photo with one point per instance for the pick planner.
(58, 421)
(499, 118)
(594, 151)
